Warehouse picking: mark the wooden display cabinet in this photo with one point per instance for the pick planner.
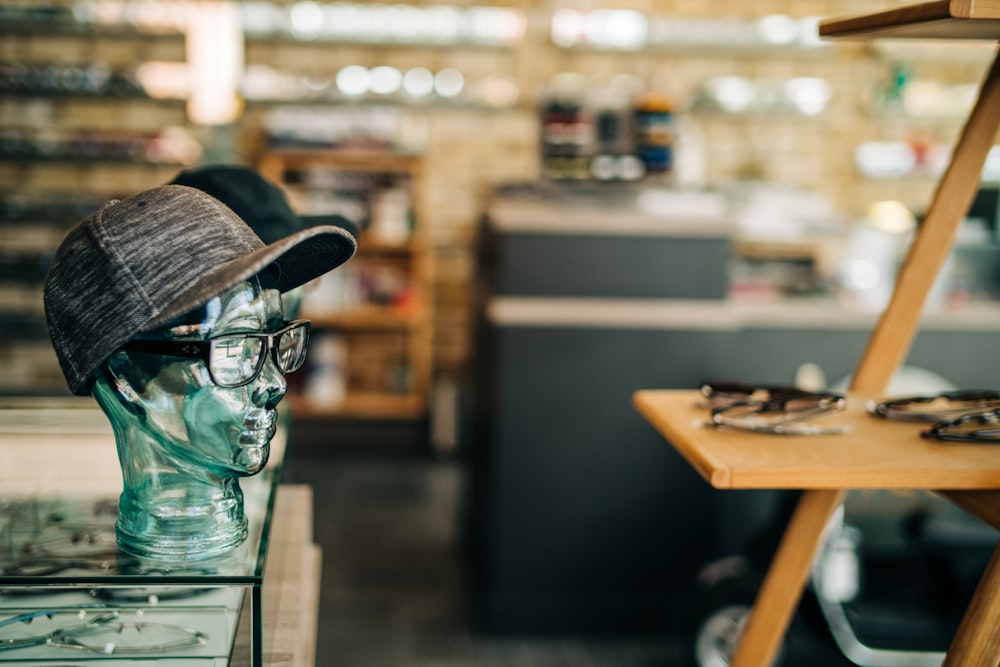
(371, 353)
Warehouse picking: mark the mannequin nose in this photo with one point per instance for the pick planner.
(270, 386)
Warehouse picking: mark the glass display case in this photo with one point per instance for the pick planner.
(66, 591)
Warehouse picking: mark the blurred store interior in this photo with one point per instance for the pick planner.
(559, 203)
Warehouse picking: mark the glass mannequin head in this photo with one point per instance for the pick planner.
(165, 306)
(193, 405)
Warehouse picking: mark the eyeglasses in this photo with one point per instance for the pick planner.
(778, 410)
(12, 637)
(235, 360)
(97, 631)
(976, 427)
(945, 406)
(720, 393)
(127, 638)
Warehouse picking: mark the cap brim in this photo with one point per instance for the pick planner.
(330, 220)
(296, 259)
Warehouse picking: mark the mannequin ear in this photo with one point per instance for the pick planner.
(113, 382)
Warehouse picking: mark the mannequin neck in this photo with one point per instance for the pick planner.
(170, 509)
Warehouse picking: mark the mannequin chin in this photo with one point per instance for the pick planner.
(184, 441)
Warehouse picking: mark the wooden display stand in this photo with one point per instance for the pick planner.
(875, 455)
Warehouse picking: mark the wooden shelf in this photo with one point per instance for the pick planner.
(406, 329)
(875, 454)
(943, 19)
(362, 406)
(280, 160)
(370, 245)
(367, 318)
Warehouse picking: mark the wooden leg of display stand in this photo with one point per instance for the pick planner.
(983, 504)
(786, 579)
(977, 642)
(891, 340)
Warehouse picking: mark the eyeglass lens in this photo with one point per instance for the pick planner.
(237, 359)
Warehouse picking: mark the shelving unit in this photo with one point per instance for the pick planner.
(376, 312)
(77, 129)
(875, 455)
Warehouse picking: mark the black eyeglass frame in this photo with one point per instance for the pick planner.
(720, 394)
(730, 397)
(202, 349)
(989, 431)
(977, 400)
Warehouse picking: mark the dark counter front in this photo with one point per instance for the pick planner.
(582, 518)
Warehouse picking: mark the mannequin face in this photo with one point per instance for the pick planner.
(177, 402)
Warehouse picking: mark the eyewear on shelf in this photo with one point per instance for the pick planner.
(13, 636)
(778, 410)
(117, 638)
(235, 360)
(102, 633)
(116, 594)
(719, 393)
(944, 406)
(44, 567)
(56, 546)
(976, 427)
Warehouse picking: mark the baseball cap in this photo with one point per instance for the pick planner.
(260, 203)
(138, 263)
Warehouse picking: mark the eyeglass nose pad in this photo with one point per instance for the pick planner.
(270, 385)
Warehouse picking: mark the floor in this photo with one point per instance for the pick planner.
(392, 590)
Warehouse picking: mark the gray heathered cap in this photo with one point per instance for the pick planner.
(136, 264)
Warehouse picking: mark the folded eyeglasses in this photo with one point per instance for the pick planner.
(962, 415)
(773, 409)
(975, 427)
(944, 406)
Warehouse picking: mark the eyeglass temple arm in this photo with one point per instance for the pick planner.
(190, 349)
